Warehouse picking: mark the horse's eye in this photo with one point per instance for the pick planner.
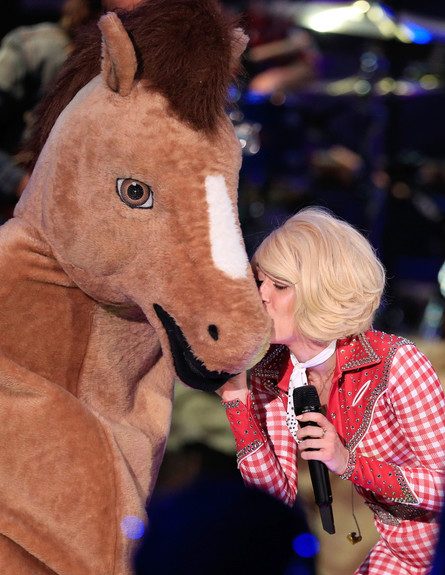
(134, 193)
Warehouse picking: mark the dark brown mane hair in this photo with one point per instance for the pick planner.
(183, 49)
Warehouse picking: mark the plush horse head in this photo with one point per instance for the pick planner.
(123, 269)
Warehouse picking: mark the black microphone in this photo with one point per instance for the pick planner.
(306, 400)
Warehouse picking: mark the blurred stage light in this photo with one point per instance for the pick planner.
(133, 527)
(306, 545)
(417, 34)
(441, 278)
(332, 19)
(429, 82)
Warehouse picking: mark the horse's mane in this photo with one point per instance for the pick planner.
(183, 49)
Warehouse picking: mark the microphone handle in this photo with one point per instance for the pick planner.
(321, 487)
(319, 476)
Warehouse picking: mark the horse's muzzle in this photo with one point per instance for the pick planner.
(189, 369)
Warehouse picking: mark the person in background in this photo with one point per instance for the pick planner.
(30, 59)
(383, 406)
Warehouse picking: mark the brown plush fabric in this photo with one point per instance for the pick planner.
(86, 366)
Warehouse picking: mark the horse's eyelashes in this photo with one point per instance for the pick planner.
(134, 193)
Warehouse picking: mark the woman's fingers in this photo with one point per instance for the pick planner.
(322, 443)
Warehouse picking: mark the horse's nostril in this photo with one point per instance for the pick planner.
(213, 331)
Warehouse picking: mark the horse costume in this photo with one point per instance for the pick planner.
(122, 270)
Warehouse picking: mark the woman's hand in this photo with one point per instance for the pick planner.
(323, 438)
(235, 388)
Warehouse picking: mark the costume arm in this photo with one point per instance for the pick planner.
(417, 403)
(266, 451)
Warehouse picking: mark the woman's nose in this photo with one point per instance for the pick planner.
(264, 291)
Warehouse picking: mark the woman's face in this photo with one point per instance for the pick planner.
(279, 301)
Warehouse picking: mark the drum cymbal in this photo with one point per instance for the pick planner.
(360, 18)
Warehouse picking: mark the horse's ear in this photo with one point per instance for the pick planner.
(239, 44)
(119, 62)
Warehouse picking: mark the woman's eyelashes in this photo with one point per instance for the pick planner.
(277, 286)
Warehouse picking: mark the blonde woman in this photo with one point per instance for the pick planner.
(381, 425)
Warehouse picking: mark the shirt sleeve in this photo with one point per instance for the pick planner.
(266, 451)
(417, 403)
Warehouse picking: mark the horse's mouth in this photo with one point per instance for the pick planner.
(189, 369)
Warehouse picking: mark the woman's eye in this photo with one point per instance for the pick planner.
(134, 193)
(280, 286)
(258, 283)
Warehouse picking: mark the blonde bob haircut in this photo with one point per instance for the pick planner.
(337, 277)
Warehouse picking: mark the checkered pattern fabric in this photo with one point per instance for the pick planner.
(380, 562)
(406, 434)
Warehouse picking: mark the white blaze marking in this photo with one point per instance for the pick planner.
(228, 251)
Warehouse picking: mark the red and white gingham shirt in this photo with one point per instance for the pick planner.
(396, 441)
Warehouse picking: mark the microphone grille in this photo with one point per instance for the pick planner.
(305, 396)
